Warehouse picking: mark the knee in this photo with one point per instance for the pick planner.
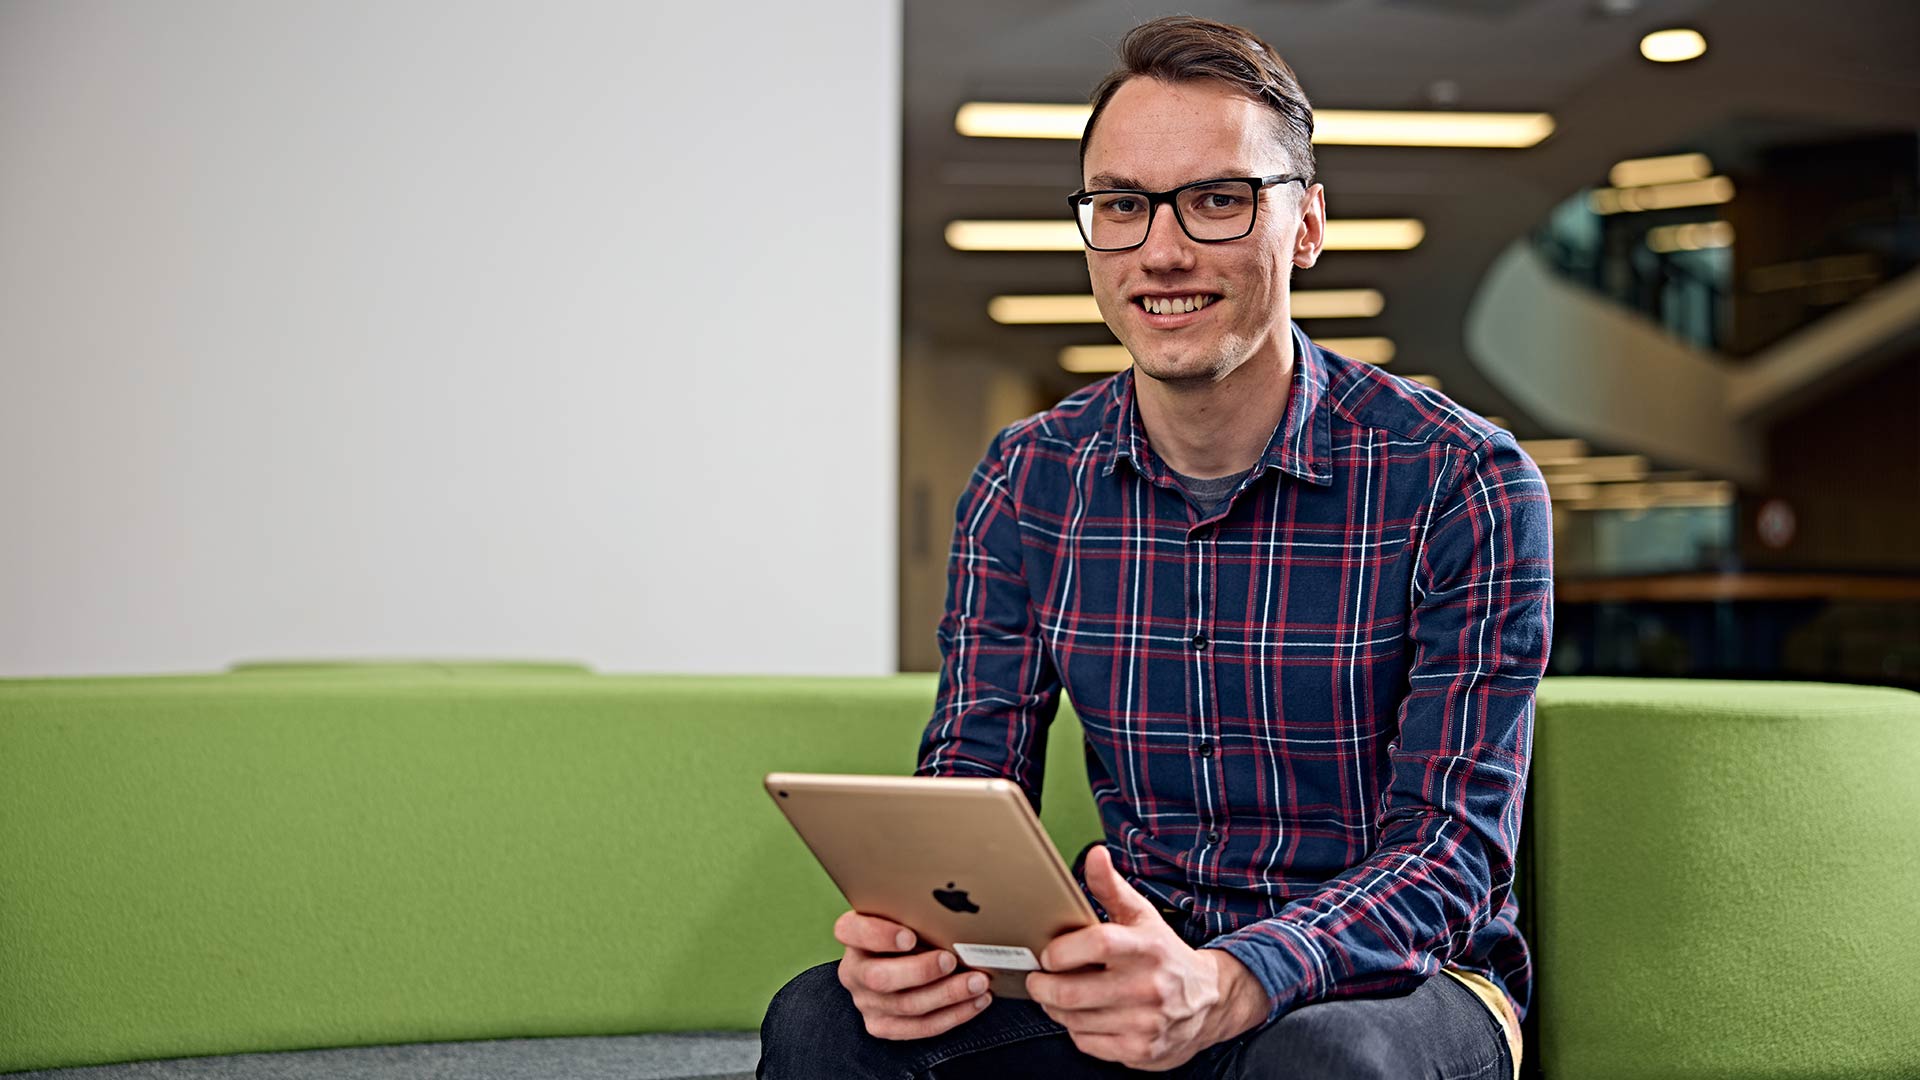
(812, 996)
(808, 1022)
(1325, 1042)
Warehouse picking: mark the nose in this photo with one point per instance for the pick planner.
(1168, 248)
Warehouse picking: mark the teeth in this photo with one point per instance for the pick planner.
(1174, 305)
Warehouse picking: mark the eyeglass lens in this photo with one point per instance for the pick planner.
(1218, 211)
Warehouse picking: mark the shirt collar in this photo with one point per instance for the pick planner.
(1302, 445)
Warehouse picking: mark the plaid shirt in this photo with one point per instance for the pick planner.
(1308, 716)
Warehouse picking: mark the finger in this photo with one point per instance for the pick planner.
(1091, 991)
(1122, 901)
(1107, 1047)
(1089, 1021)
(925, 1027)
(1105, 943)
(921, 1001)
(872, 933)
(893, 974)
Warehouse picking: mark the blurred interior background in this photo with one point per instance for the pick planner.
(623, 333)
(1678, 266)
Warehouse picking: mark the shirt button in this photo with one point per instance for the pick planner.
(1205, 748)
(1199, 642)
(1213, 838)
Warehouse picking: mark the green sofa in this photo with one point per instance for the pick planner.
(1723, 879)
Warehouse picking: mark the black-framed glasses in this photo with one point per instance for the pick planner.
(1209, 211)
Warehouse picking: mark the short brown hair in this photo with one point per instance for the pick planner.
(1184, 48)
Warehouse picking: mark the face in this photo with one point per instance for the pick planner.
(1154, 136)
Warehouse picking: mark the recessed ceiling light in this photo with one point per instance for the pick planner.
(1095, 359)
(1672, 169)
(1355, 127)
(1080, 308)
(1595, 470)
(1367, 350)
(1337, 303)
(1647, 496)
(1374, 234)
(1698, 236)
(1021, 120)
(1348, 234)
(1082, 359)
(1711, 191)
(1349, 127)
(1672, 46)
(1546, 452)
(1024, 310)
(1013, 236)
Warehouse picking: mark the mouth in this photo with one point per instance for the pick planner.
(1166, 311)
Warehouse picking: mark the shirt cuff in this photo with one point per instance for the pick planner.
(1286, 961)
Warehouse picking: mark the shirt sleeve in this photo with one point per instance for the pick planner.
(998, 687)
(1480, 625)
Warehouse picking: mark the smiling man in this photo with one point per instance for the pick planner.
(1301, 607)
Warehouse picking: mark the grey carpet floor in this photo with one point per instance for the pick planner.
(723, 1055)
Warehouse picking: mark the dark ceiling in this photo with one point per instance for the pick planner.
(1848, 64)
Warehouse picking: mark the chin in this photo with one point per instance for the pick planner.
(1206, 369)
(1207, 364)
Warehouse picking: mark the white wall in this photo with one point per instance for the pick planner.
(448, 329)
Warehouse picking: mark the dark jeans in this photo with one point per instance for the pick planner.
(1439, 1031)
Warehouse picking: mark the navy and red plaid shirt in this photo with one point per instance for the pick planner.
(1309, 715)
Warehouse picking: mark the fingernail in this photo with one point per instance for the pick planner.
(904, 940)
(977, 984)
(980, 1002)
(946, 962)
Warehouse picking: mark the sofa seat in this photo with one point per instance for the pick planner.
(728, 1055)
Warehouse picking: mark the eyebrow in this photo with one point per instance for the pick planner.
(1108, 180)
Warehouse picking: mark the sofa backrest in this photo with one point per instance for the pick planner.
(1724, 874)
(317, 856)
(1726, 879)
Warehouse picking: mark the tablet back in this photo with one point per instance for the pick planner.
(963, 862)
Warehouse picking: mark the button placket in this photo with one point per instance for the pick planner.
(1206, 780)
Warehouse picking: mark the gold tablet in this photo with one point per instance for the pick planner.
(963, 863)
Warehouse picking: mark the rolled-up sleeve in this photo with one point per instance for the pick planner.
(1479, 628)
(998, 688)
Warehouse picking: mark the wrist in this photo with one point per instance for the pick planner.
(1242, 1003)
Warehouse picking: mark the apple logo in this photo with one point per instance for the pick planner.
(955, 899)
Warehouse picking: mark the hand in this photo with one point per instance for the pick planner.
(911, 996)
(1158, 1002)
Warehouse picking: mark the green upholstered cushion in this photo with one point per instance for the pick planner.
(313, 857)
(301, 856)
(1728, 879)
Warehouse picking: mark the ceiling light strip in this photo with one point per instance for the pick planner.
(1347, 234)
(1672, 169)
(1709, 192)
(1331, 127)
(1367, 350)
(1076, 308)
(1697, 236)
(1106, 359)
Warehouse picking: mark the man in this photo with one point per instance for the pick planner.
(1301, 607)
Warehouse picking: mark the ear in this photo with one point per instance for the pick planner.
(1313, 228)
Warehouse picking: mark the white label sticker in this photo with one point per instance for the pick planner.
(997, 957)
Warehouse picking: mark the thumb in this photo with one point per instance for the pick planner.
(1121, 900)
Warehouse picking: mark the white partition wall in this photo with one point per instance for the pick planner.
(448, 330)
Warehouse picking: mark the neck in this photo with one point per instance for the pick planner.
(1217, 427)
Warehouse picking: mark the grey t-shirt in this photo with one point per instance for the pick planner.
(1212, 494)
